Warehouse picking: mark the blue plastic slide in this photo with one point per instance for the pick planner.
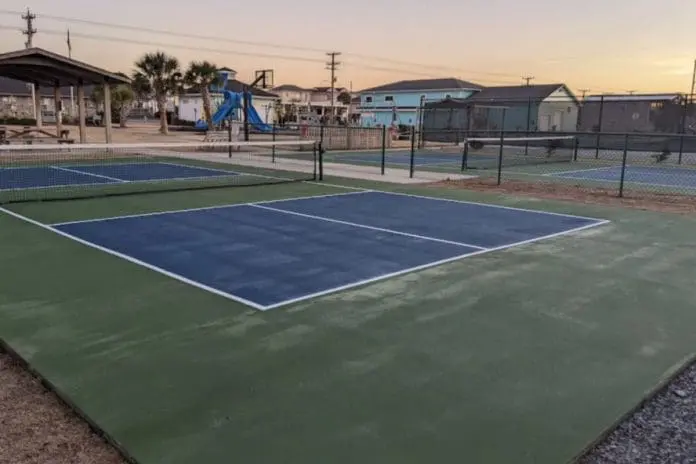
(255, 120)
(233, 101)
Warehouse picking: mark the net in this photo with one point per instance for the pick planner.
(61, 172)
(487, 153)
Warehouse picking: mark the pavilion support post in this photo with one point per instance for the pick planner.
(37, 106)
(81, 111)
(57, 104)
(107, 111)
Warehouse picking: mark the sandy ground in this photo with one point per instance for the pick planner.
(37, 428)
(134, 133)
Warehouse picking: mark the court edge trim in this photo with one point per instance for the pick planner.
(433, 264)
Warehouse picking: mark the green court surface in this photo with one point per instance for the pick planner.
(520, 356)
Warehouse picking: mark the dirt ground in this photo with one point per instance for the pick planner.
(37, 428)
(684, 204)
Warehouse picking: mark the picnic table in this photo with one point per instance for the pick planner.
(29, 135)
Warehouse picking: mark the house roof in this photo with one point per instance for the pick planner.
(289, 87)
(634, 97)
(449, 83)
(233, 85)
(516, 93)
(42, 67)
(12, 87)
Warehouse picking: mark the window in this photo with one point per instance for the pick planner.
(388, 98)
(448, 96)
(368, 99)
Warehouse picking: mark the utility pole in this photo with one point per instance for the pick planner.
(29, 31)
(630, 92)
(584, 92)
(527, 79)
(693, 83)
(333, 66)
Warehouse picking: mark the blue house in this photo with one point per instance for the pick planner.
(401, 102)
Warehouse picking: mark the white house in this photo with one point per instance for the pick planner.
(191, 103)
(309, 105)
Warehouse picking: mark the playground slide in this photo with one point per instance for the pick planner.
(256, 121)
(232, 102)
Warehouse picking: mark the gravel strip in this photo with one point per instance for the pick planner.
(663, 430)
(36, 427)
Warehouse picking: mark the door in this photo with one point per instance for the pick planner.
(544, 122)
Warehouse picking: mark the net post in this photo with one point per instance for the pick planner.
(623, 166)
(681, 148)
(576, 146)
(229, 138)
(273, 138)
(500, 152)
(384, 148)
(413, 152)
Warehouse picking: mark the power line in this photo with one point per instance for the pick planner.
(358, 56)
(266, 44)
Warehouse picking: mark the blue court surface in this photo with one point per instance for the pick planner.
(658, 176)
(273, 253)
(18, 178)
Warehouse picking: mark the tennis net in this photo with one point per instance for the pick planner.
(61, 172)
(490, 152)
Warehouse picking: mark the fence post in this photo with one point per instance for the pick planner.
(623, 166)
(500, 153)
(273, 148)
(320, 150)
(681, 148)
(465, 156)
(384, 148)
(321, 134)
(315, 159)
(599, 125)
(413, 151)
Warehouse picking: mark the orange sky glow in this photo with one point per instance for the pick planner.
(636, 45)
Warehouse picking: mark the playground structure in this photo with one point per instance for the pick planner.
(234, 107)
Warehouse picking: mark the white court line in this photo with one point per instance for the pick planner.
(627, 182)
(561, 173)
(88, 173)
(136, 261)
(512, 208)
(203, 208)
(429, 265)
(365, 226)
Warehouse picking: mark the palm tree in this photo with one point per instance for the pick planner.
(159, 74)
(122, 97)
(200, 76)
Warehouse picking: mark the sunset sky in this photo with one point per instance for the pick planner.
(601, 45)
